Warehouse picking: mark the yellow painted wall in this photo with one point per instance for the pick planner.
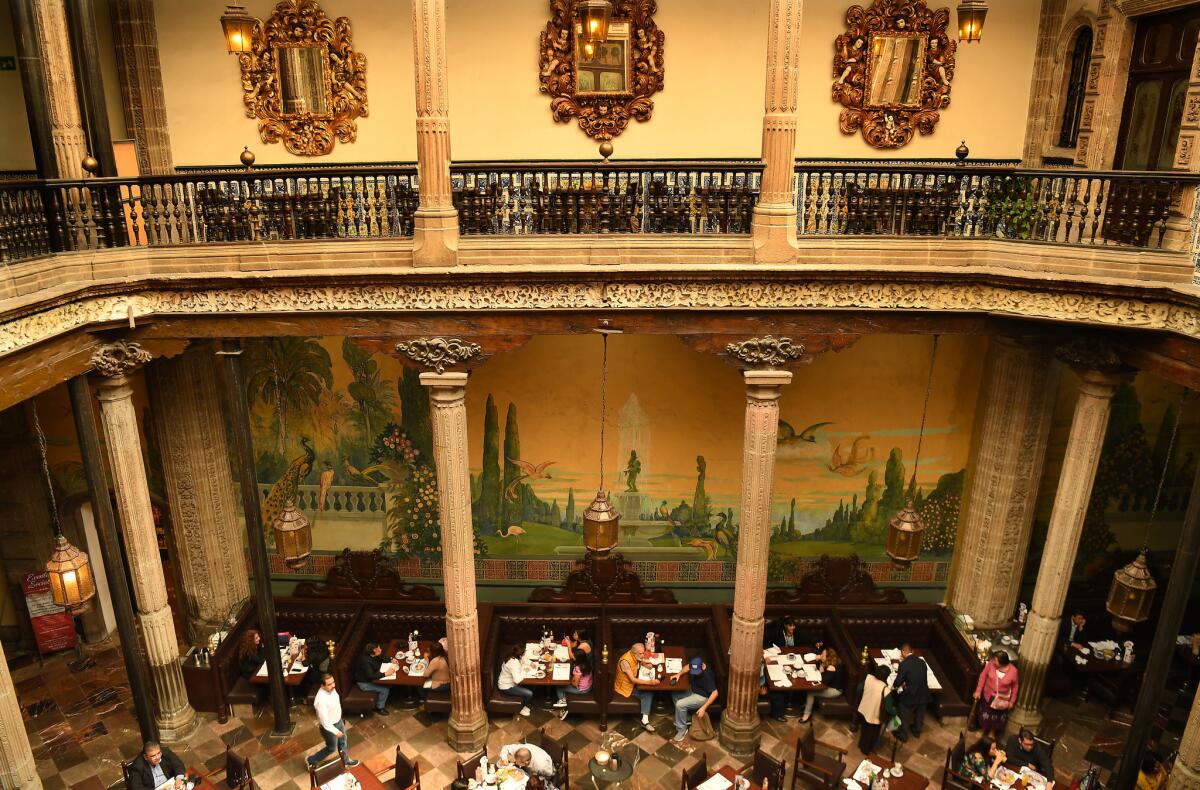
(108, 70)
(202, 84)
(16, 152)
(989, 98)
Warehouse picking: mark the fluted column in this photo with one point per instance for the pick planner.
(195, 460)
(136, 39)
(739, 724)
(448, 409)
(774, 224)
(1186, 773)
(173, 714)
(1042, 97)
(1104, 92)
(17, 766)
(1020, 384)
(70, 145)
(1080, 459)
(435, 226)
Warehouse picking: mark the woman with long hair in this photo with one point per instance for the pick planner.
(437, 671)
(833, 676)
(581, 680)
(252, 654)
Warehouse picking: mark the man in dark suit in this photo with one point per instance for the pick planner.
(1072, 632)
(781, 635)
(912, 688)
(153, 767)
(368, 672)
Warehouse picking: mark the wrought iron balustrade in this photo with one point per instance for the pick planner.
(647, 197)
(1077, 207)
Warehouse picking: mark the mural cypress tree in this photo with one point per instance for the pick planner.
(489, 479)
(864, 528)
(569, 522)
(700, 498)
(791, 521)
(511, 508)
(414, 414)
(893, 488)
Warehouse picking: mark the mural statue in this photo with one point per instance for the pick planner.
(529, 472)
(326, 482)
(288, 484)
(632, 470)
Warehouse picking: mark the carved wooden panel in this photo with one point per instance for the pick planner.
(364, 575)
(603, 114)
(608, 579)
(889, 108)
(836, 580)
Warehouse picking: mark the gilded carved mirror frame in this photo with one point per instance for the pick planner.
(303, 24)
(892, 125)
(602, 115)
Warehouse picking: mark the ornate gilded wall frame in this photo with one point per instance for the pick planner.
(303, 80)
(893, 68)
(614, 82)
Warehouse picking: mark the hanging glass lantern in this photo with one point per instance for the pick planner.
(971, 14)
(593, 18)
(600, 523)
(1131, 594)
(293, 536)
(238, 27)
(72, 585)
(904, 535)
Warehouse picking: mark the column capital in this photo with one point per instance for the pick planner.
(1095, 359)
(438, 353)
(768, 351)
(764, 385)
(113, 361)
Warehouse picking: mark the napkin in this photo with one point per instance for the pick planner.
(1183, 639)
(561, 672)
(775, 673)
(893, 654)
(262, 671)
(532, 650)
(389, 667)
(851, 784)
(810, 657)
(812, 674)
(561, 653)
(714, 782)
(866, 769)
(771, 652)
(931, 679)
(1107, 644)
(1081, 661)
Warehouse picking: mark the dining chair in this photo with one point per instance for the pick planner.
(327, 772)
(408, 772)
(695, 776)
(764, 766)
(466, 769)
(558, 755)
(814, 769)
(237, 771)
(951, 778)
(125, 770)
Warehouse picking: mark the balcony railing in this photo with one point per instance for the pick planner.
(648, 197)
(693, 197)
(1076, 207)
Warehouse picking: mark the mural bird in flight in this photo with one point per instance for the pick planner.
(529, 472)
(788, 435)
(851, 461)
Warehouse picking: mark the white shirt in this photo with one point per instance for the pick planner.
(158, 775)
(539, 761)
(510, 674)
(328, 706)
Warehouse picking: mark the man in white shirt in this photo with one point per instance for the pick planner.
(531, 759)
(328, 706)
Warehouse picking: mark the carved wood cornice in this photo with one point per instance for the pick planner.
(439, 353)
(114, 360)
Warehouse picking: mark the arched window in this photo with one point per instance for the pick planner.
(1081, 54)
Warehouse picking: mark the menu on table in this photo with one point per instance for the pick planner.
(674, 665)
(647, 673)
(714, 782)
(561, 672)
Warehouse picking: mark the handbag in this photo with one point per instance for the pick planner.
(1000, 702)
(701, 729)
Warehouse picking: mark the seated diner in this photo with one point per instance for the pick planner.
(1022, 749)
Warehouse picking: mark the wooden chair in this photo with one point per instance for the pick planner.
(330, 770)
(408, 772)
(558, 754)
(466, 770)
(237, 771)
(764, 766)
(951, 778)
(817, 770)
(696, 775)
(125, 770)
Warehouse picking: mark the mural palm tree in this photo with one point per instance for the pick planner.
(289, 373)
(370, 394)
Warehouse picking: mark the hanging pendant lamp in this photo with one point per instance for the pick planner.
(72, 583)
(593, 18)
(293, 536)
(601, 520)
(906, 527)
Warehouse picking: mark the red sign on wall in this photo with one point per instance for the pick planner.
(53, 628)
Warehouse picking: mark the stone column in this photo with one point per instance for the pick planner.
(1183, 232)
(195, 459)
(435, 226)
(175, 718)
(1080, 459)
(1020, 384)
(1042, 96)
(1104, 95)
(1186, 773)
(740, 724)
(136, 39)
(448, 409)
(70, 144)
(774, 223)
(17, 766)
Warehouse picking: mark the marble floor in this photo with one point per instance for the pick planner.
(81, 725)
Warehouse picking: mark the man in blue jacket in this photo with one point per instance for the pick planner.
(912, 692)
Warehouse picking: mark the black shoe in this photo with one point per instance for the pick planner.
(351, 763)
(780, 718)
(381, 711)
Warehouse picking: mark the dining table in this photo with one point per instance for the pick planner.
(290, 677)
(1090, 663)
(547, 674)
(664, 683)
(796, 680)
(936, 687)
(908, 780)
(402, 678)
(729, 773)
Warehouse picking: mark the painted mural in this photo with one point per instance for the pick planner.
(345, 433)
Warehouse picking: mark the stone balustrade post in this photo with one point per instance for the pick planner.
(435, 225)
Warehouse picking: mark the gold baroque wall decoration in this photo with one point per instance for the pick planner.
(303, 80)
(607, 84)
(893, 67)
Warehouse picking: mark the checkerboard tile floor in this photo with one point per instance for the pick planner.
(81, 725)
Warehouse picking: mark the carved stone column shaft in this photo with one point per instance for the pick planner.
(435, 231)
(1186, 773)
(136, 39)
(1041, 97)
(200, 493)
(1104, 92)
(174, 715)
(448, 409)
(17, 766)
(1075, 481)
(739, 725)
(1020, 385)
(70, 145)
(774, 223)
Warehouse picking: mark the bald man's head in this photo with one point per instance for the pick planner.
(523, 757)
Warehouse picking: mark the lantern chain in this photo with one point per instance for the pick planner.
(1162, 478)
(603, 400)
(41, 441)
(925, 406)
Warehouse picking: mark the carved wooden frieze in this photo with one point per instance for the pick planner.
(893, 67)
(607, 84)
(303, 80)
